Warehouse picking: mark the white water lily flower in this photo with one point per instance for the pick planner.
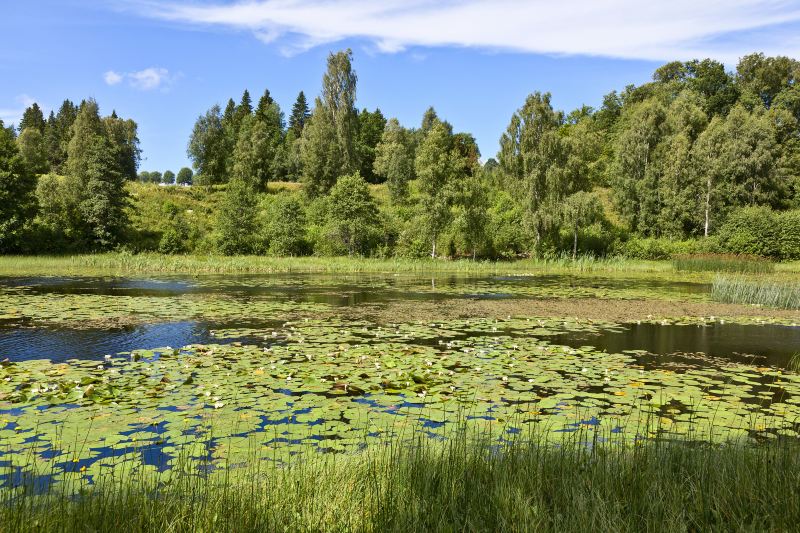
(217, 405)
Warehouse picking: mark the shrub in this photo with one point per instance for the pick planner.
(750, 231)
(789, 235)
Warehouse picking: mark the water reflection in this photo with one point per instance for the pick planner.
(766, 345)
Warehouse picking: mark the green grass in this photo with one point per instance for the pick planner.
(214, 264)
(455, 486)
(770, 293)
(722, 263)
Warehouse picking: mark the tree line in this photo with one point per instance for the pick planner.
(675, 164)
(62, 179)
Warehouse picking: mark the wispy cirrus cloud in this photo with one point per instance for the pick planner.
(12, 115)
(145, 80)
(632, 29)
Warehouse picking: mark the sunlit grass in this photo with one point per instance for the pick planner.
(722, 263)
(741, 290)
(211, 264)
(581, 485)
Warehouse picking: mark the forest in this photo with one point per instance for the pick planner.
(699, 160)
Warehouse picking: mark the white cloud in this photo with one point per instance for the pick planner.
(656, 29)
(144, 80)
(112, 78)
(12, 115)
(149, 78)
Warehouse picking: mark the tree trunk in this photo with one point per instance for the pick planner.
(708, 205)
(575, 243)
(433, 249)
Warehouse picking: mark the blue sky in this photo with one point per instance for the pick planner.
(164, 62)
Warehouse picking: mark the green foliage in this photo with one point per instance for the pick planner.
(236, 219)
(33, 151)
(394, 160)
(351, 220)
(17, 186)
(328, 148)
(300, 114)
(285, 227)
(750, 231)
(168, 177)
(95, 183)
(33, 118)
(788, 235)
(185, 176)
(208, 148)
(741, 290)
(370, 132)
(722, 263)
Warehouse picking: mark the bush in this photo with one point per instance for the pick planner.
(789, 235)
(750, 231)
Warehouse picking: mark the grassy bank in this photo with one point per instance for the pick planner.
(453, 486)
(723, 263)
(214, 264)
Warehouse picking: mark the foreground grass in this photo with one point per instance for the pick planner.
(656, 486)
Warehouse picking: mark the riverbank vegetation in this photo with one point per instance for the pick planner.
(456, 485)
(698, 161)
(738, 290)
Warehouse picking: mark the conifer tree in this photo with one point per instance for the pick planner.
(32, 118)
(96, 182)
(300, 114)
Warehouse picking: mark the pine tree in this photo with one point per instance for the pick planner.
(264, 104)
(300, 114)
(370, 130)
(58, 134)
(96, 182)
(32, 118)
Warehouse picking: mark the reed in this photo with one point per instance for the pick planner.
(742, 290)
(151, 263)
(722, 263)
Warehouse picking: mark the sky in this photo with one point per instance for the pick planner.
(164, 62)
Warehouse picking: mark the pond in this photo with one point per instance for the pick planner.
(98, 372)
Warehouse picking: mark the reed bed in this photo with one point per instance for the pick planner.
(723, 263)
(451, 486)
(743, 290)
(150, 263)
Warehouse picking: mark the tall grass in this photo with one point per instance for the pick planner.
(453, 486)
(722, 263)
(741, 290)
(212, 264)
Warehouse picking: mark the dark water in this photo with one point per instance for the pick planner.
(18, 344)
(338, 290)
(757, 344)
(767, 344)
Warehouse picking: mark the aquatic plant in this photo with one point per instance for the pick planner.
(742, 290)
(722, 263)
